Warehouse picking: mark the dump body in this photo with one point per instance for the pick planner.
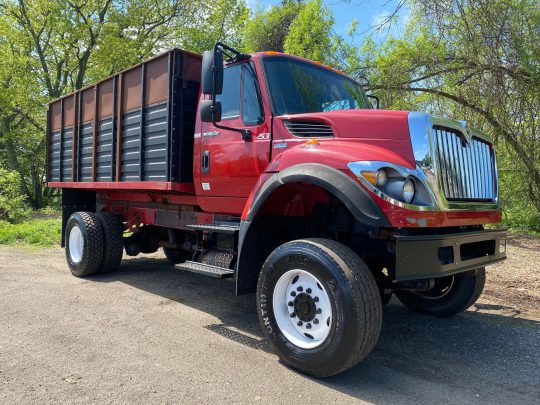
(131, 130)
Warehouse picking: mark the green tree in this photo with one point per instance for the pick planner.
(310, 34)
(12, 204)
(267, 30)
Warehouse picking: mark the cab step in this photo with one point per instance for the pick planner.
(205, 269)
(218, 228)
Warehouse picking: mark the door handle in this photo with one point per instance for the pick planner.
(205, 162)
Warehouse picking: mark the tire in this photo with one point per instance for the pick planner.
(450, 296)
(113, 238)
(84, 244)
(176, 255)
(349, 305)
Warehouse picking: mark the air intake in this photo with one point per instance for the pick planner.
(308, 129)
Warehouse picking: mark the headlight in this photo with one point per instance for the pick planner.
(409, 191)
(381, 177)
(394, 183)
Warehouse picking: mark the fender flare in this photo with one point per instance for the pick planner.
(355, 198)
(346, 189)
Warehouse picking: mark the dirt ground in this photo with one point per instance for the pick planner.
(151, 334)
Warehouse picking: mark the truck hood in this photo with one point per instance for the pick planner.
(364, 129)
(379, 124)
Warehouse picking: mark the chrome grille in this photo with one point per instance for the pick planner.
(466, 168)
(306, 128)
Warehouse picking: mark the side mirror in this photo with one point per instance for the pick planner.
(212, 72)
(210, 112)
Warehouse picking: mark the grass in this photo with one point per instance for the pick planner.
(39, 232)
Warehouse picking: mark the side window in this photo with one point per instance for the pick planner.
(251, 106)
(230, 97)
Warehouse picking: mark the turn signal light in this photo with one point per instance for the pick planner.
(371, 177)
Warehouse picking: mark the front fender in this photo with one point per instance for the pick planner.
(343, 187)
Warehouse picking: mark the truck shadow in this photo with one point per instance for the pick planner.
(487, 355)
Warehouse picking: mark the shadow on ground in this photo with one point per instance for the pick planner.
(487, 355)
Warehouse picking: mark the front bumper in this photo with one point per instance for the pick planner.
(432, 256)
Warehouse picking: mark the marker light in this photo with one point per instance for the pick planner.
(310, 143)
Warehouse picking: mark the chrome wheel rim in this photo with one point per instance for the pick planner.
(302, 309)
(76, 244)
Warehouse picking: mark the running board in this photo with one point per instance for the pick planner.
(215, 228)
(205, 269)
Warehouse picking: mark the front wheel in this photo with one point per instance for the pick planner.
(319, 306)
(449, 296)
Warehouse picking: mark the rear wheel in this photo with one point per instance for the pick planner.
(84, 244)
(113, 239)
(319, 306)
(450, 295)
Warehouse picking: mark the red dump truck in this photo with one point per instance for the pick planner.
(277, 171)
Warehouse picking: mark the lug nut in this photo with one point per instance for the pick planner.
(300, 323)
(316, 299)
(293, 294)
(292, 315)
(319, 311)
(290, 303)
(299, 289)
(308, 326)
(308, 290)
(316, 321)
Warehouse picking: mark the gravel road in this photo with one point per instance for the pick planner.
(151, 334)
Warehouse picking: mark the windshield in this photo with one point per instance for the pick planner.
(299, 87)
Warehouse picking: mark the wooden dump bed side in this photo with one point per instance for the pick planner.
(132, 130)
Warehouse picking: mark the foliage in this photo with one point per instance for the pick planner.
(219, 20)
(36, 232)
(310, 33)
(12, 205)
(267, 30)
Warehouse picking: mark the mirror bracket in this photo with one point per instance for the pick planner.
(376, 99)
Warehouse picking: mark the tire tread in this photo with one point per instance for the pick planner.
(114, 243)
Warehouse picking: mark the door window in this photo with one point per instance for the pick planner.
(251, 106)
(230, 96)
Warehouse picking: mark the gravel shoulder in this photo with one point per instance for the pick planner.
(149, 333)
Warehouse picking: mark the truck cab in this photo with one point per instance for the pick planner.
(280, 174)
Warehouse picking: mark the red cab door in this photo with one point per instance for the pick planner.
(230, 166)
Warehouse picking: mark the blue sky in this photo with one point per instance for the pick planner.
(367, 12)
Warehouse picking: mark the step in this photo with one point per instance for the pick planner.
(224, 228)
(206, 269)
